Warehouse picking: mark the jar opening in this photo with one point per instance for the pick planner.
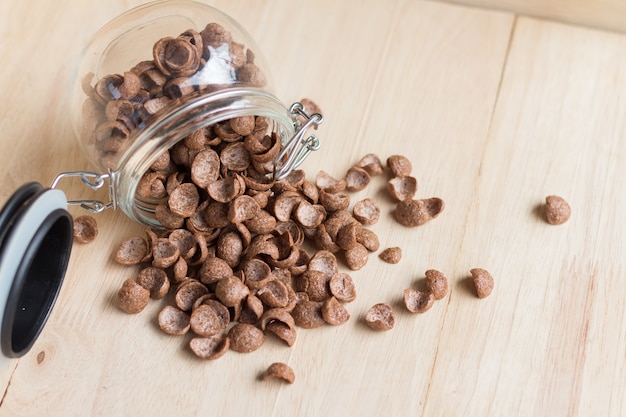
(172, 128)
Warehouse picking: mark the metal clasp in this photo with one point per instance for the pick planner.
(94, 181)
(298, 148)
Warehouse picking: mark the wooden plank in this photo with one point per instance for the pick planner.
(97, 359)
(601, 14)
(432, 98)
(550, 339)
(432, 101)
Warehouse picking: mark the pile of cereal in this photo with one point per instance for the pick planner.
(244, 256)
(237, 260)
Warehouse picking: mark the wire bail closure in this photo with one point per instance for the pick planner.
(94, 181)
(297, 149)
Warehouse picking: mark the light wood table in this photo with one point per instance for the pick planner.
(495, 111)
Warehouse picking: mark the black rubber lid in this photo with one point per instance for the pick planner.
(36, 233)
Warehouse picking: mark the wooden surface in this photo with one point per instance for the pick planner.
(495, 111)
(604, 14)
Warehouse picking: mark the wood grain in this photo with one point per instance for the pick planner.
(494, 110)
(599, 14)
(552, 132)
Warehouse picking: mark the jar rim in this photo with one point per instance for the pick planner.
(172, 127)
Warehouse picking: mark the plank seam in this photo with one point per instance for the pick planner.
(488, 134)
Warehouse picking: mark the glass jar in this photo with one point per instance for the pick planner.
(160, 72)
(147, 81)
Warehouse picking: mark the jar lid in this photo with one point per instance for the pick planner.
(36, 234)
